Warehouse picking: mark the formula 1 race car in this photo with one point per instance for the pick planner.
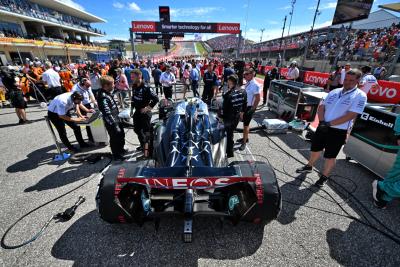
(190, 177)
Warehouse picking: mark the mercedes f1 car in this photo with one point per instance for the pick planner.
(190, 177)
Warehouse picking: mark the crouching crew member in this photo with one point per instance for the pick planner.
(109, 109)
(234, 104)
(143, 101)
(58, 114)
(336, 114)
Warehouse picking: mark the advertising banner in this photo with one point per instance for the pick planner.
(188, 27)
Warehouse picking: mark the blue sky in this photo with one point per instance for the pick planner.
(266, 14)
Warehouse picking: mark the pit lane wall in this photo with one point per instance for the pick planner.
(387, 91)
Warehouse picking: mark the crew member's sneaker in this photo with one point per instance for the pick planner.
(241, 140)
(304, 169)
(242, 147)
(377, 194)
(139, 148)
(321, 181)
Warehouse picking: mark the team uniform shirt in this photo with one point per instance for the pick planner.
(52, 78)
(167, 79)
(252, 89)
(108, 108)
(210, 79)
(85, 93)
(234, 102)
(368, 82)
(143, 96)
(61, 104)
(337, 104)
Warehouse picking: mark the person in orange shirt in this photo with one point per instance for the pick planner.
(37, 71)
(66, 79)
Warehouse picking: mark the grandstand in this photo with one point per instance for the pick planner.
(47, 29)
(225, 42)
(371, 41)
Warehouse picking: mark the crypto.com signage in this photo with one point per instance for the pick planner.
(188, 27)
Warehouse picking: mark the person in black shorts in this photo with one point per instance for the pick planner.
(336, 114)
(11, 82)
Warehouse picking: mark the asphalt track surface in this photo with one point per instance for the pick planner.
(302, 236)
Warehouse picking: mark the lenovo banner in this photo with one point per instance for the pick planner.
(189, 27)
(316, 78)
(387, 92)
(143, 26)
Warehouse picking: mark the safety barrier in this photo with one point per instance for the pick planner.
(387, 91)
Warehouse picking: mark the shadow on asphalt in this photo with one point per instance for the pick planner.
(17, 124)
(33, 160)
(358, 245)
(91, 241)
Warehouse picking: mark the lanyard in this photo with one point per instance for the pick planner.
(349, 92)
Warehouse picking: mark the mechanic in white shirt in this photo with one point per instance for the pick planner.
(293, 71)
(52, 80)
(167, 80)
(368, 81)
(336, 114)
(253, 91)
(58, 114)
(83, 87)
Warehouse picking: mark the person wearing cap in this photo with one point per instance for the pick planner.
(336, 115)
(368, 81)
(293, 72)
(253, 92)
(143, 101)
(234, 104)
(52, 80)
(167, 80)
(59, 114)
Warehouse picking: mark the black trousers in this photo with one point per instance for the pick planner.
(158, 85)
(230, 125)
(195, 87)
(88, 131)
(54, 91)
(142, 126)
(208, 94)
(168, 92)
(62, 132)
(265, 94)
(117, 139)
